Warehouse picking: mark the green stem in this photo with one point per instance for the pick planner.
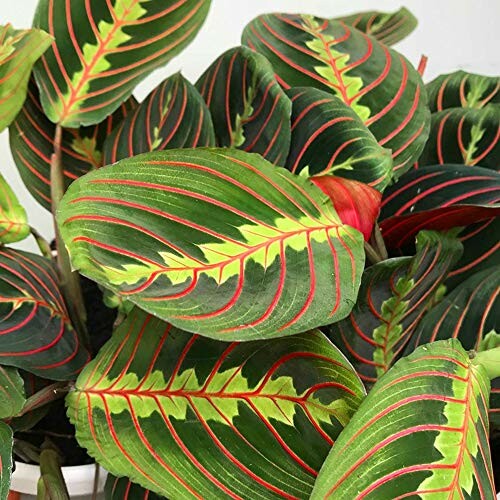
(51, 485)
(70, 281)
(380, 243)
(372, 254)
(490, 361)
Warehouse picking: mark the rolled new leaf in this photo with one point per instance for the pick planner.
(379, 84)
(103, 49)
(388, 28)
(438, 197)
(6, 444)
(249, 108)
(463, 90)
(19, 50)
(174, 115)
(394, 296)
(35, 331)
(13, 219)
(191, 417)
(464, 136)
(421, 432)
(219, 242)
(121, 488)
(31, 137)
(12, 395)
(328, 137)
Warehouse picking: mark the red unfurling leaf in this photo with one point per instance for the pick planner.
(357, 204)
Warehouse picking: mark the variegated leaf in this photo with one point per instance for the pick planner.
(35, 331)
(13, 219)
(464, 136)
(328, 137)
(121, 488)
(249, 108)
(463, 90)
(422, 432)
(379, 84)
(19, 49)
(104, 48)
(191, 417)
(174, 115)
(219, 242)
(438, 197)
(393, 298)
(31, 138)
(388, 28)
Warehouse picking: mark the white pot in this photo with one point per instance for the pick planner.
(79, 480)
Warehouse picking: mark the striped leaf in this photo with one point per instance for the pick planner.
(31, 138)
(388, 28)
(121, 488)
(249, 109)
(464, 136)
(393, 298)
(357, 204)
(13, 220)
(469, 313)
(481, 250)
(19, 49)
(12, 395)
(328, 137)
(463, 90)
(438, 197)
(104, 48)
(219, 242)
(378, 83)
(422, 432)
(191, 417)
(35, 331)
(174, 115)
(6, 444)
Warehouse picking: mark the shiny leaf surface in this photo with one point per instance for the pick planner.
(215, 241)
(13, 220)
(393, 298)
(438, 197)
(191, 417)
(121, 488)
(249, 108)
(104, 48)
(174, 115)
(379, 84)
(35, 331)
(31, 137)
(328, 137)
(421, 432)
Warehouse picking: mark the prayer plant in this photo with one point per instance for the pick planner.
(301, 248)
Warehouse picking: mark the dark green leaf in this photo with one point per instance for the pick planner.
(249, 108)
(6, 443)
(463, 90)
(379, 84)
(191, 417)
(174, 115)
(31, 137)
(35, 331)
(422, 432)
(219, 242)
(104, 48)
(388, 28)
(393, 297)
(328, 137)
